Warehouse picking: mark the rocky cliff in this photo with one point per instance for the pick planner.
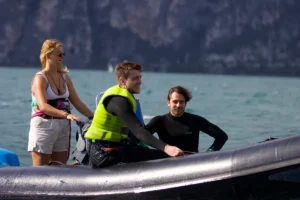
(207, 36)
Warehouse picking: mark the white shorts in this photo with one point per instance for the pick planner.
(49, 135)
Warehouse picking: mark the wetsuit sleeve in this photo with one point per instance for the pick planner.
(121, 107)
(154, 124)
(215, 132)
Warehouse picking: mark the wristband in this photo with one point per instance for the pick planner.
(66, 114)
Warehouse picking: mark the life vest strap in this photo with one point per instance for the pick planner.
(111, 137)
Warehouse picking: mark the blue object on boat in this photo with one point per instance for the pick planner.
(8, 158)
(139, 113)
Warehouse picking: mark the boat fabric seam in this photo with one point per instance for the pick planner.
(284, 163)
(177, 184)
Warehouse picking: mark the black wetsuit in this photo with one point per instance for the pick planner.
(121, 107)
(184, 131)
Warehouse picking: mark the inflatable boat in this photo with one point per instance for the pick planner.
(267, 170)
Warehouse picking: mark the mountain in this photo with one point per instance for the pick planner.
(194, 36)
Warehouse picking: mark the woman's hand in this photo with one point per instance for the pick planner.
(74, 118)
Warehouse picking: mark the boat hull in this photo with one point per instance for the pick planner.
(269, 170)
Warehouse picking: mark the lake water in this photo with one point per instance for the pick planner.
(248, 108)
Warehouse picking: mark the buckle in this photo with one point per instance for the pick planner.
(110, 149)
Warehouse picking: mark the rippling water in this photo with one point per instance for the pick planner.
(248, 109)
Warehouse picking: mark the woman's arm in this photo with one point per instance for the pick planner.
(39, 87)
(76, 101)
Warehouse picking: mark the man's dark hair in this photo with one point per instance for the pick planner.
(180, 90)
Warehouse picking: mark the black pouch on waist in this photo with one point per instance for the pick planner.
(99, 158)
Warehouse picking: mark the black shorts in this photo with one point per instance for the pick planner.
(101, 155)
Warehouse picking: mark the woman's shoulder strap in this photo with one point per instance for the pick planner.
(44, 75)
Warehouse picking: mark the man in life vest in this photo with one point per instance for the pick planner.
(114, 115)
(80, 154)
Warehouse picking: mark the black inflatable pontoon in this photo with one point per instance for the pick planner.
(268, 170)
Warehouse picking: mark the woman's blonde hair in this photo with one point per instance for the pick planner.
(48, 46)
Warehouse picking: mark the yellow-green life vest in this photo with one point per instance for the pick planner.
(106, 126)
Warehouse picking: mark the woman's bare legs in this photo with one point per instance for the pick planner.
(39, 159)
(60, 156)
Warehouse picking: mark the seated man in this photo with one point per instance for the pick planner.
(180, 128)
(80, 154)
(114, 114)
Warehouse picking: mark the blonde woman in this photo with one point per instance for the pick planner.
(52, 93)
